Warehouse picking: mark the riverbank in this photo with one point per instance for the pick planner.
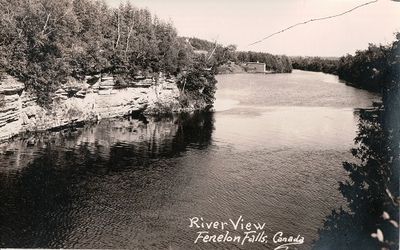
(89, 100)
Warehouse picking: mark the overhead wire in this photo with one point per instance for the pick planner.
(313, 20)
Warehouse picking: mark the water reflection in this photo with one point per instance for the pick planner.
(49, 189)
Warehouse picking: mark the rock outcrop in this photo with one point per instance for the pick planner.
(10, 106)
(92, 99)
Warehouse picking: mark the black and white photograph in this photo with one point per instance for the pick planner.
(188, 124)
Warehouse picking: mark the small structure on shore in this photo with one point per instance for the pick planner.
(255, 67)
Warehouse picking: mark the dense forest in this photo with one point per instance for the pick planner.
(368, 69)
(317, 64)
(371, 68)
(223, 54)
(47, 44)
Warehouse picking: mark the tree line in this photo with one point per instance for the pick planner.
(316, 64)
(47, 43)
(368, 69)
(371, 68)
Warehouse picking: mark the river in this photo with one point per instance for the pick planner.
(271, 152)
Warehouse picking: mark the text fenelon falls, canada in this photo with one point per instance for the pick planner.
(241, 232)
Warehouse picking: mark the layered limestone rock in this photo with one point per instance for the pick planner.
(92, 99)
(10, 106)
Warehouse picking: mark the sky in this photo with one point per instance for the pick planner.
(242, 22)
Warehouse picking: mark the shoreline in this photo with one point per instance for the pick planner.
(20, 113)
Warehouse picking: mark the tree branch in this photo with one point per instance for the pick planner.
(46, 23)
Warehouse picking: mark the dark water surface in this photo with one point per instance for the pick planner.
(272, 153)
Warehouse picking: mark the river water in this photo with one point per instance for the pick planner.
(271, 153)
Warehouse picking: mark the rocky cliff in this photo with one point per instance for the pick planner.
(92, 99)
